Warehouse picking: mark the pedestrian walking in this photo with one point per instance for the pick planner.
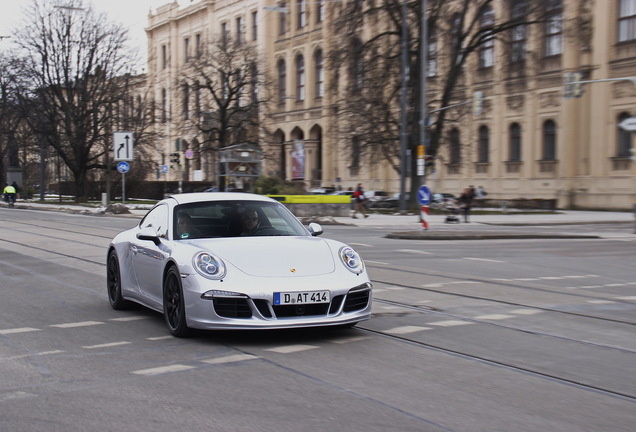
(359, 199)
(466, 202)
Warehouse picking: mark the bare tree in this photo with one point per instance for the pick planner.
(369, 107)
(226, 86)
(75, 60)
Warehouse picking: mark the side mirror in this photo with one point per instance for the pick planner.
(315, 229)
(148, 234)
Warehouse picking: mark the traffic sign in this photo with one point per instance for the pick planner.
(189, 154)
(123, 146)
(164, 169)
(629, 124)
(123, 167)
(424, 195)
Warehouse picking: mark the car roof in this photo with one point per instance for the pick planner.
(195, 197)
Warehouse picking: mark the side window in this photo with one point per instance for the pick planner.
(157, 219)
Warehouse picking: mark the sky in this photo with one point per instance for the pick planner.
(132, 14)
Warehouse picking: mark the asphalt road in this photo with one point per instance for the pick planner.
(479, 335)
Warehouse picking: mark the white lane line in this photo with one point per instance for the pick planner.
(230, 359)
(288, 349)
(450, 323)
(413, 251)
(626, 298)
(600, 301)
(394, 288)
(16, 395)
(525, 311)
(360, 244)
(162, 370)
(525, 279)
(130, 318)
(351, 339)
(77, 324)
(494, 317)
(18, 330)
(614, 285)
(406, 330)
(551, 277)
(157, 338)
(590, 286)
(40, 354)
(423, 301)
(376, 262)
(106, 345)
(484, 260)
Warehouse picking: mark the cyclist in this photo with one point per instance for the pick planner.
(9, 194)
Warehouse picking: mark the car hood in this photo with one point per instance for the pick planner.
(273, 256)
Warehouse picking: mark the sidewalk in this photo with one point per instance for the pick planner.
(513, 225)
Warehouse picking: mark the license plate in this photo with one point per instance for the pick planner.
(306, 297)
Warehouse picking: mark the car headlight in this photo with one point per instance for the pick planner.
(208, 265)
(351, 259)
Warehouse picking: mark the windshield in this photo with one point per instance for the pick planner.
(235, 219)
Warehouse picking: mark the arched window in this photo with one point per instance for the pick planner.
(282, 81)
(300, 78)
(549, 140)
(484, 144)
(319, 73)
(487, 49)
(455, 147)
(515, 143)
(624, 138)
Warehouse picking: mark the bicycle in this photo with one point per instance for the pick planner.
(10, 199)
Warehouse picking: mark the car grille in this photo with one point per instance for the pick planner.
(356, 299)
(232, 308)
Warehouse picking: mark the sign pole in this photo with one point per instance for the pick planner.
(123, 188)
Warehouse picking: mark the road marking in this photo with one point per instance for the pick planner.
(288, 349)
(626, 298)
(450, 323)
(525, 311)
(77, 324)
(230, 359)
(360, 244)
(394, 288)
(16, 395)
(18, 330)
(350, 339)
(551, 277)
(484, 259)
(414, 251)
(526, 279)
(600, 301)
(590, 286)
(160, 338)
(162, 370)
(376, 262)
(106, 345)
(130, 318)
(614, 285)
(406, 330)
(494, 317)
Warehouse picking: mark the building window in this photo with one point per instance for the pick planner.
(197, 45)
(319, 74)
(515, 143)
(164, 106)
(239, 30)
(254, 25)
(487, 48)
(484, 144)
(519, 32)
(549, 140)
(282, 81)
(554, 29)
(355, 152)
(302, 13)
(164, 56)
(624, 144)
(186, 49)
(320, 11)
(431, 70)
(356, 65)
(282, 20)
(627, 21)
(455, 147)
(300, 78)
(456, 28)
(224, 35)
(186, 101)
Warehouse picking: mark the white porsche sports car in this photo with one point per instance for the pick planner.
(224, 260)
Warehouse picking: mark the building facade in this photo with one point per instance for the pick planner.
(528, 141)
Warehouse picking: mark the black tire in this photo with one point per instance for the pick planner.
(174, 304)
(113, 283)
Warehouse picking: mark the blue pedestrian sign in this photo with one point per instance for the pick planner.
(164, 169)
(424, 195)
(123, 167)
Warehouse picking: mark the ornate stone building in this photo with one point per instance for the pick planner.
(527, 142)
